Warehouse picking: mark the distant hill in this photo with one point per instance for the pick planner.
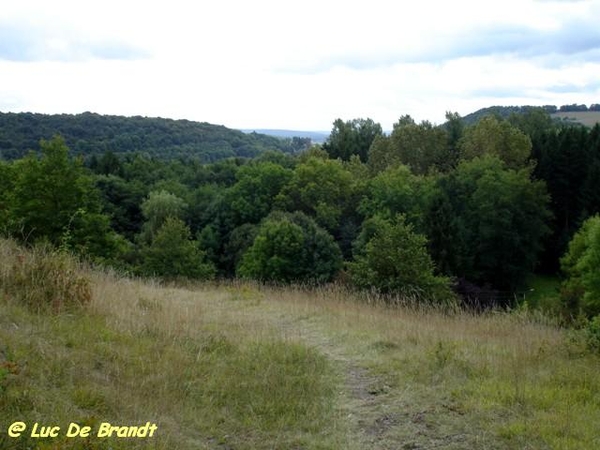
(502, 111)
(566, 113)
(317, 137)
(88, 134)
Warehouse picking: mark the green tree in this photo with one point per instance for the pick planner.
(581, 265)
(55, 199)
(323, 189)
(291, 248)
(173, 254)
(491, 136)
(421, 146)
(397, 190)
(251, 197)
(353, 137)
(391, 258)
(7, 179)
(157, 208)
(489, 222)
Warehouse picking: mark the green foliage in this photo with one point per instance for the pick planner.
(568, 159)
(43, 279)
(581, 264)
(497, 138)
(422, 146)
(122, 202)
(353, 137)
(157, 208)
(7, 177)
(291, 248)
(173, 254)
(240, 239)
(397, 190)
(92, 134)
(319, 188)
(54, 199)
(252, 196)
(486, 223)
(592, 334)
(391, 258)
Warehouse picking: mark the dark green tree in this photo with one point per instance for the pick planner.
(392, 258)
(251, 197)
(291, 248)
(353, 137)
(323, 189)
(54, 199)
(486, 222)
(173, 254)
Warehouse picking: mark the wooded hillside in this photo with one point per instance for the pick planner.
(93, 134)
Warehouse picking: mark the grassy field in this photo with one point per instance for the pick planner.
(588, 118)
(240, 366)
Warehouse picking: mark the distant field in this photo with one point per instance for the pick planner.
(588, 118)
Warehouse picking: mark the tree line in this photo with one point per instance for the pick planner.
(435, 213)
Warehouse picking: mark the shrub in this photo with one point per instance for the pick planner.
(592, 334)
(291, 248)
(581, 290)
(173, 254)
(391, 258)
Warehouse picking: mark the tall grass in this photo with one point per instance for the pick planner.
(244, 366)
(44, 280)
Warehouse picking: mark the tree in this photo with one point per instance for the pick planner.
(581, 265)
(7, 178)
(395, 191)
(421, 146)
(488, 222)
(491, 136)
(391, 258)
(251, 197)
(157, 208)
(173, 254)
(55, 199)
(322, 189)
(353, 137)
(291, 248)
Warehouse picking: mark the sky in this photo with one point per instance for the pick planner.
(296, 65)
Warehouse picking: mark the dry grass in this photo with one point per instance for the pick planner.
(587, 118)
(244, 366)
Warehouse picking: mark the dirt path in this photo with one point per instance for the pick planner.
(380, 417)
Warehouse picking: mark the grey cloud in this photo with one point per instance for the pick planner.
(576, 41)
(25, 43)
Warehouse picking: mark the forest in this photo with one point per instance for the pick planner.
(455, 213)
(90, 134)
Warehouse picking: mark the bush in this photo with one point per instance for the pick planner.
(173, 254)
(592, 334)
(291, 248)
(391, 258)
(580, 293)
(42, 279)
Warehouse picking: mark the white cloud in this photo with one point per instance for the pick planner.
(295, 64)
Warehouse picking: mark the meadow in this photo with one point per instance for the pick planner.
(245, 366)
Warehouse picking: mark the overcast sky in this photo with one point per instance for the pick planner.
(296, 64)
